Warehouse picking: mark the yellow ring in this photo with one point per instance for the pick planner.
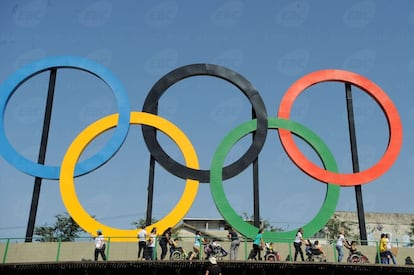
(67, 185)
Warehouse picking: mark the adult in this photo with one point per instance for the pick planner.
(385, 249)
(142, 242)
(196, 245)
(165, 239)
(213, 268)
(99, 245)
(235, 243)
(297, 244)
(389, 251)
(149, 250)
(258, 245)
(340, 243)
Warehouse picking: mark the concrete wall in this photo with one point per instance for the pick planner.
(397, 225)
(81, 251)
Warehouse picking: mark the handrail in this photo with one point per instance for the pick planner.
(60, 254)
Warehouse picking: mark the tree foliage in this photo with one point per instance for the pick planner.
(265, 224)
(142, 222)
(64, 229)
(333, 226)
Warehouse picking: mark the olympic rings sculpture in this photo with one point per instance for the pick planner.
(190, 172)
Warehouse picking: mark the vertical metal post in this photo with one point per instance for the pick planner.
(256, 201)
(256, 193)
(6, 250)
(150, 188)
(42, 154)
(58, 250)
(355, 164)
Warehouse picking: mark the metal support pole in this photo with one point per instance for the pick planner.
(256, 201)
(150, 189)
(355, 164)
(256, 193)
(42, 154)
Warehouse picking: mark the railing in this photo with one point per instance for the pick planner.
(15, 250)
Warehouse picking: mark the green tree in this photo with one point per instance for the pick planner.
(64, 229)
(142, 222)
(332, 228)
(265, 224)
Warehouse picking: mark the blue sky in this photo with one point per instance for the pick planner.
(270, 43)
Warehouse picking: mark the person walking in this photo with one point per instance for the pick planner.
(297, 244)
(389, 250)
(99, 245)
(165, 239)
(196, 245)
(340, 243)
(213, 268)
(142, 241)
(385, 249)
(234, 245)
(258, 245)
(149, 250)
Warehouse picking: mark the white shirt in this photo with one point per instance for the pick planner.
(340, 240)
(387, 244)
(298, 238)
(152, 237)
(99, 241)
(142, 235)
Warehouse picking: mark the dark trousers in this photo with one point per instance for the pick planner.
(100, 251)
(254, 252)
(298, 250)
(164, 250)
(148, 253)
(141, 248)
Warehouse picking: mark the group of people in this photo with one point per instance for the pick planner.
(147, 243)
(212, 247)
(299, 240)
(340, 244)
(166, 239)
(385, 249)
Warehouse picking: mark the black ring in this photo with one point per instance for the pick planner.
(151, 106)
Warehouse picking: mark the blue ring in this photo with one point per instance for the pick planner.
(8, 87)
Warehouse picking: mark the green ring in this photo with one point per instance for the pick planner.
(234, 219)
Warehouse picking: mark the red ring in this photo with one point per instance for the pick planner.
(390, 111)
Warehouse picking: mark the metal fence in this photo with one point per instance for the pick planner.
(16, 250)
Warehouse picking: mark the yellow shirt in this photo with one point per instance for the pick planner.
(383, 245)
